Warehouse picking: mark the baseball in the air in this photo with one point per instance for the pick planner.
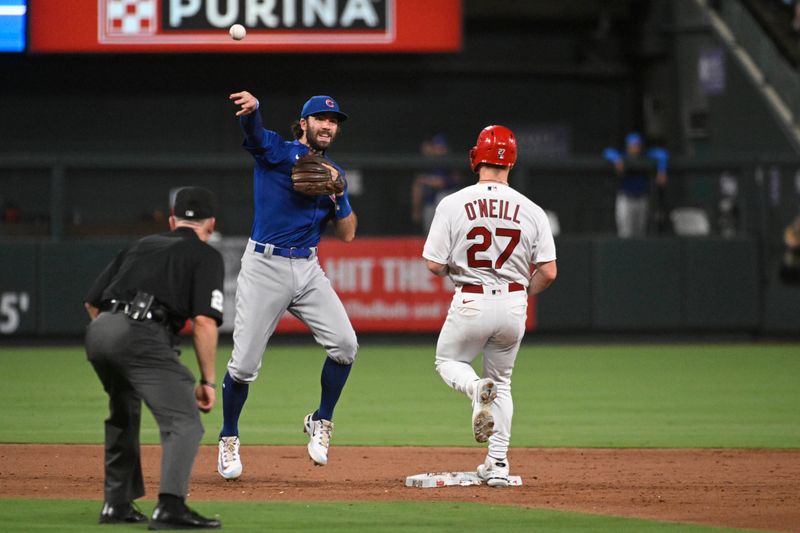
(237, 32)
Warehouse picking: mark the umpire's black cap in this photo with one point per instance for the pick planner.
(194, 203)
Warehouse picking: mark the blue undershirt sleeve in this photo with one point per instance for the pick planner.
(343, 208)
(253, 129)
(265, 145)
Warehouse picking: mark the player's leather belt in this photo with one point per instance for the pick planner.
(478, 289)
(301, 253)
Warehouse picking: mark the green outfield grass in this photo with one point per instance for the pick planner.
(22, 516)
(739, 395)
(581, 396)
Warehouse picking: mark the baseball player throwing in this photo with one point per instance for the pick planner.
(280, 270)
(497, 247)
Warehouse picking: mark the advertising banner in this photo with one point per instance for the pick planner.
(271, 25)
(18, 289)
(382, 282)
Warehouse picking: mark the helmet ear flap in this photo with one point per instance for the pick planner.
(472, 157)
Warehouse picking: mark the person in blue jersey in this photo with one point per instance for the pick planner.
(633, 190)
(432, 184)
(280, 271)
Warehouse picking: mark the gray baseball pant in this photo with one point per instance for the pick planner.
(137, 362)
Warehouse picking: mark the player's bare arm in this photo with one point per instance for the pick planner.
(204, 337)
(345, 228)
(542, 277)
(661, 178)
(92, 310)
(246, 102)
(438, 269)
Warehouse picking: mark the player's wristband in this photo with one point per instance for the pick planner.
(208, 383)
(343, 208)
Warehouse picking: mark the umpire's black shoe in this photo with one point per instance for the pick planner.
(180, 517)
(121, 513)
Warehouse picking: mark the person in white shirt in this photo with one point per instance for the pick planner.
(497, 247)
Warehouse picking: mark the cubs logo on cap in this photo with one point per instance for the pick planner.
(322, 104)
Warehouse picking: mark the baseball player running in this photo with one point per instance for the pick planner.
(280, 270)
(497, 247)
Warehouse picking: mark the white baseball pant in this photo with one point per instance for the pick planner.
(493, 324)
(631, 216)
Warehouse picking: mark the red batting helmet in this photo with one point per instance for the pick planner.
(496, 145)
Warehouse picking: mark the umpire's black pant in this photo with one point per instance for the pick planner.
(136, 361)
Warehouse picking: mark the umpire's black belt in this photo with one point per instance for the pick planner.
(293, 252)
(157, 314)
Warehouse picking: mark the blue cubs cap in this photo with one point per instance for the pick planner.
(321, 104)
(633, 137)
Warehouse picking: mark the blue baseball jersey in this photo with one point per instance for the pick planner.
(634, 182)
(283, 217)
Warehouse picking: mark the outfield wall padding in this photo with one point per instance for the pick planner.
(636, 284)
(604, 284)
(19, 295)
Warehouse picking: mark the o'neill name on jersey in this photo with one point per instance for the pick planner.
(492, 208)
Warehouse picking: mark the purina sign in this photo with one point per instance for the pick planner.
(347, 15)
(129, 19)
(272, 25)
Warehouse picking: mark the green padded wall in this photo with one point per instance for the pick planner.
(720, 283)
(567, 303)
(67, 272)
(636, 284)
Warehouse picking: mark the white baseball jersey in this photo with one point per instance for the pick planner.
(489, 234)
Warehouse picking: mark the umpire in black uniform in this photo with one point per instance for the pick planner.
(137, 306)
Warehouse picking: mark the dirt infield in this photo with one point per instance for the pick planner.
(758, 489)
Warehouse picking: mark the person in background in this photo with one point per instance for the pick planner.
(633, 186)
(431, 185)
(790, 263)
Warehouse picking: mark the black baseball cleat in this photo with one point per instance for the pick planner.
(180, 517)
(121, 513)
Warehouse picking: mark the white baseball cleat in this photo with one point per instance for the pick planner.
(229, 464)
(482, 420)
(494, 472)
(319, 433)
